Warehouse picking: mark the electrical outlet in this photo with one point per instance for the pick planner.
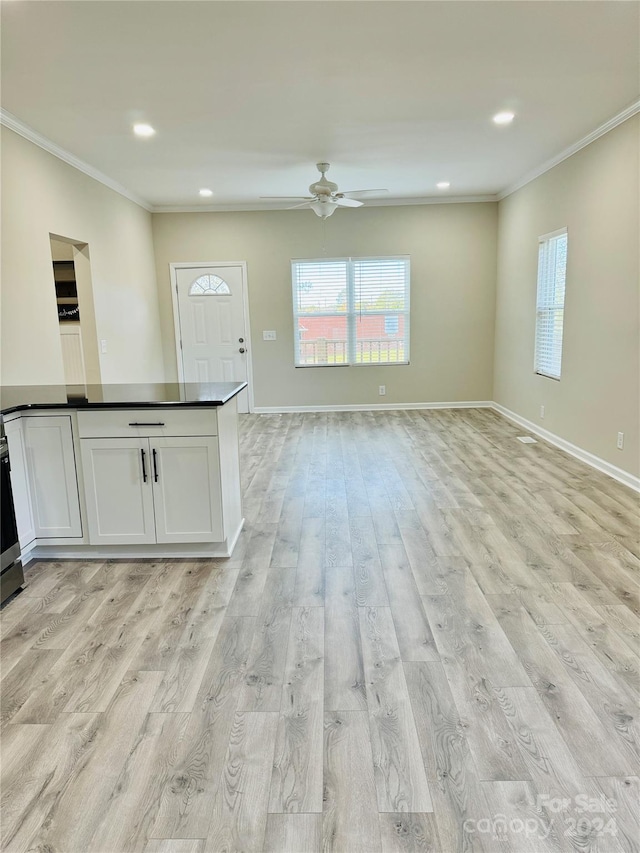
(269, 335)
(620, 441)
(382, 390)
(541, 411)
(103, 346)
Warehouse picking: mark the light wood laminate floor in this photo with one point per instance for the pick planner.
(426, 640)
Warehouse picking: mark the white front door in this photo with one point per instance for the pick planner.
(211, 318)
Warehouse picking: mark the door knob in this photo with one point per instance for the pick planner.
(242, 349)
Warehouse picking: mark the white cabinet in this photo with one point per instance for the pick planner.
(186, 489)
(151, 481)
(147, 490)
(20, 482)
(72, 355)
(117, 491)
(53, 484)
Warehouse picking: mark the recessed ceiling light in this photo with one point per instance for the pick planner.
(443, 185)
(505, 117)
(141, 129)
(205, 193)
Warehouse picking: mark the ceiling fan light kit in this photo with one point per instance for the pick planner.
(323, 207)
(325, 198)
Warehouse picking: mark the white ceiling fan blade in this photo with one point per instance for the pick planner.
(285, 197)
(364, 192)
(296, 206)
(346, 202)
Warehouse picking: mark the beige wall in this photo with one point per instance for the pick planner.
(453, 271)
(454, 249)
(43, 195)
(61, 251)
(595, 195)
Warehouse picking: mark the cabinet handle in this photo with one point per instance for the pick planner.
(155, 465)
(144, 467)
(158, 424)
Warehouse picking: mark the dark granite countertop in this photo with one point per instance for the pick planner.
(17, 398)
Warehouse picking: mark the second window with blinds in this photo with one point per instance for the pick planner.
(552, 275)
(351, 311)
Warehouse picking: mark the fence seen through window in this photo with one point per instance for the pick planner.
(351, 311)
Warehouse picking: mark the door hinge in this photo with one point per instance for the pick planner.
(180, 343)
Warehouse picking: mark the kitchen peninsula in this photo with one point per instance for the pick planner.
(103, 471)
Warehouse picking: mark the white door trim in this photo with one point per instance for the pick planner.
(173, 271)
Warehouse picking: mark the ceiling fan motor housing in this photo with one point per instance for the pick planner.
(323, 187)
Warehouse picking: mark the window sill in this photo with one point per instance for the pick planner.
(366, 364)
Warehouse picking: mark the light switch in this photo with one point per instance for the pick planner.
(103, 346)
(269, 335)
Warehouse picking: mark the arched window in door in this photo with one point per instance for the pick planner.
(209, 285)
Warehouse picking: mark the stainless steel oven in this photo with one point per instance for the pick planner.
(11, 575)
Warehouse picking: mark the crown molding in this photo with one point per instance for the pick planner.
(619, 118)
(10, 121)
(387, 202)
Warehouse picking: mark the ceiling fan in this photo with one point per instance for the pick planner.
(325, 198)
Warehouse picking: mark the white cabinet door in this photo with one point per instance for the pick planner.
(53, 480)
(72, 355)
(20, 482)
(186, 489)
(118, 491)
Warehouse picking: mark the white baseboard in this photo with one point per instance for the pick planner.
(42, 550)
(232, 541)
(213, 551)
(372, 407)
(583, 455)
(27, 555)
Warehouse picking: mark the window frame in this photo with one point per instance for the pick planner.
(542, 307)
(351, 314)
(210, 291)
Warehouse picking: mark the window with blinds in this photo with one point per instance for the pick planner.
(552, 274)
(351, 311)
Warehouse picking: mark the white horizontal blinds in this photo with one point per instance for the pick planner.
(552, 273)
(351, 311)
(381, 310)
(320, 311)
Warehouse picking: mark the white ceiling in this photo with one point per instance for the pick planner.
(247, 96)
